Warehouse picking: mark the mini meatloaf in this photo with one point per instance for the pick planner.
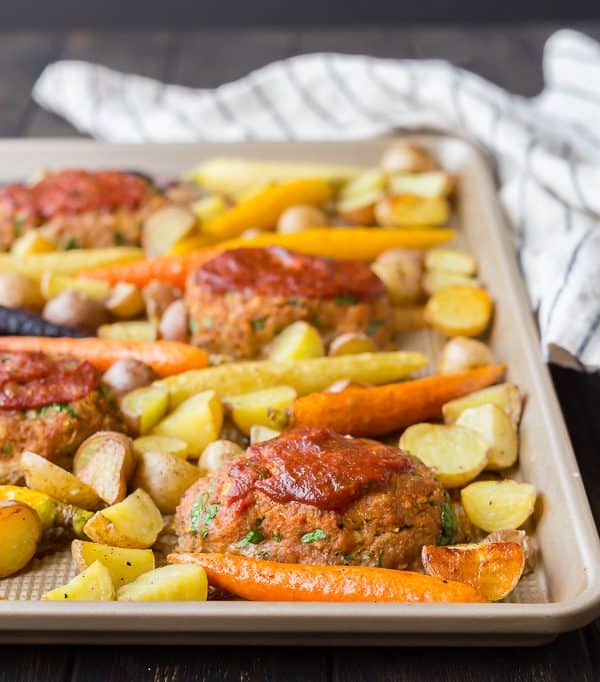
(313, 496)
(50, 406)
(79, 209)
(241, 299)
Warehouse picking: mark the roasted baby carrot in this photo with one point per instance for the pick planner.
(363, 244)
(382, 409)
(260, 580)
(165, 357)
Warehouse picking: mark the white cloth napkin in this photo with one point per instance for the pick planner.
(546, 149)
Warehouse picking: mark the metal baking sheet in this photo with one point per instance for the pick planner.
(564, 591)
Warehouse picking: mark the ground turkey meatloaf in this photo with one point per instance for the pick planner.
(50, 406)
(313, 496)
(79, 209)
(241, 299)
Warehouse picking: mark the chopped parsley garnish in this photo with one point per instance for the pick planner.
(314, 536)
(193, 325)
(277, 537)
(59, 407)
(208, 322)
(258, 325)
(373, 326)
(346, 300)
(449, 524)
(348, 557)
(71, 244)
(252, 537)
(18, 223)
(203, 514)
(316, 322)
(119, 238)
(7, 448)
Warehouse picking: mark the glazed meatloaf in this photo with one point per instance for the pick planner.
(79, 209)
(50, 406)
(241, 299)
(313, 496)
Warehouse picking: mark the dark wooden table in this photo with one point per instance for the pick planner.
(507, 55)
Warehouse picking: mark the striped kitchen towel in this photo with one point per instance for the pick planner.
(546, 149)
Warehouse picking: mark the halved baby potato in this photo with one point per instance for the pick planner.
(498, 505)
(134, 522)
(429, 184)
(409, 210)
(52, 284)
(401, 271)
(459, 310)
(166, 227)
(20, 532)
(218, 453)
(197, 421)
(94, 584)
(124, 565)
(497, 429)
(144, 407)
(174, 446)
(506, 396)
(30, 243)
(351, 344)
(493, 569)
(455, 454)
(49, 478)
(298, 340)
(125, 301)
(168, 583)
(461, 354)
(435, 280)
(267, 407)
(137, 330)
(451, 260)
(258, 434)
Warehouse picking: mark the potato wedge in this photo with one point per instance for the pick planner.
(165, 477)
(493, 569)
(412, 211)
(264, 408)
(166, 227)
(497, 429)
(20, 291)
(459, 310)
(451, 260)
(297, 341)
(498, 505)
(351, 344)
(30, 243)
(305, 376)
(506, 396)
(174, 446)
(110, 464)
(52, 284)
(42, 475)
(461, 354)
(258, 434)
(218, 453)
(124, 565)
(138, 330)
(207, 208)
(135, 522)
(404, 156)
(435, 280)
(168, 583)
(94, 584)
(145, 407)
(401, 271)
(455, 454)
(429, 184)
(20, 532)
(197, 421)
(125, 301)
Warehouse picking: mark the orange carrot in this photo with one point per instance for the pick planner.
(382, 409)
(165, 357)
(260, 580)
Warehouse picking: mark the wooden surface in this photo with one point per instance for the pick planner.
(511, 57)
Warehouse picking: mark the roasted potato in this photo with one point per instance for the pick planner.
(53, 284)
(197, 421)
(493, 569)
(401, 271)
(166, 227)
(301, 217)
(137, 330)
(158, 296)
(94, 584)
(455, 454)
(497, 429)
(128, 374)
(451, 260)
(429, 184)
(258, 434)
(125, 301)
(459, 310)
(173, 324)
(20, 291)
(435, 280)
(20, 532)
(168, 583)
(506, 396)
(218, 453)
(74, 309)
(124, 565)
(265, 408)
(42, 475)
(297, 341)
(207, 208)
(461, 354)
(110, 463)
(165, 477)
(174, 446)
(30, 243)
(407, 157)
(351, 344)
(135, 522)
(411, 211)
(145, 407)
(498, 505)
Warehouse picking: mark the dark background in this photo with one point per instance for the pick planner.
(182, 13)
